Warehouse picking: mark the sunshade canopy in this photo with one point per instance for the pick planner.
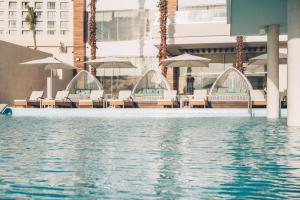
(186, 60)
(263, 59)
(111, 62)
(49, 63)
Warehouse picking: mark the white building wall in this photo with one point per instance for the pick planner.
(48, 37)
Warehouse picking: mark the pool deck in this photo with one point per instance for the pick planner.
(138, 113)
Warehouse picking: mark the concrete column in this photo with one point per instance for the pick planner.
(273, 72)
(293, 98)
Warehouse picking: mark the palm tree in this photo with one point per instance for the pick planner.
(92, 33)
(31, 19)
(239, 54)
(162, 54)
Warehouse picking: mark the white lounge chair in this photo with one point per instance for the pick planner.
(61, 100)
(258, 98)
(123, 98)
(34, 100)
(96, 99)
(169, 98)
(199, 98)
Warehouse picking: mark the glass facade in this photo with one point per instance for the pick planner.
(197, 14)
(121, 25)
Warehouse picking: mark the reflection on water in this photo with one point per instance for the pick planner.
(211, 158)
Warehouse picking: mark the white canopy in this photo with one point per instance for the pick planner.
(186, 60)
(263, 59)
(111, 62)
(49, 63)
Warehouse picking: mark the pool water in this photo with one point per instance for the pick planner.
(153, 158)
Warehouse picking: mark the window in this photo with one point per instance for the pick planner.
(38, 5)
(12, 32)
(25, 32)
(1, 32)
(12, 23)
(12, 14)
(39, 15)
(51, 5)
(2, 4)
(51, 15)
(24, 24)
(51, 24)
(39, 32)
(64, 15)
(121, 25)
(1, 23)
(24, 14)
(12, 5)
(1, 14)
(64, 25)
(63, 32)
(25, 4)
(64, 5)
(51, 32)
(39, 24)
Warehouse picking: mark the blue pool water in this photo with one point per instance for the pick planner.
(159, 158)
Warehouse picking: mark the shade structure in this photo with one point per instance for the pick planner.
(49, 63)
(186, 60)
(82, 84)
(263, 59)
(150, 86)
(231, 82)
(111, 63)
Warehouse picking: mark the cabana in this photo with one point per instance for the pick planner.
(230, 90)
(149, 89)
(81, 85)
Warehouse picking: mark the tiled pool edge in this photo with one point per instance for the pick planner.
(136, 113)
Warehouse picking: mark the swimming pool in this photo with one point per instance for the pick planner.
(148, 158)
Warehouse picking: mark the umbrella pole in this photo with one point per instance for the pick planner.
(111, 80)
(51, 84)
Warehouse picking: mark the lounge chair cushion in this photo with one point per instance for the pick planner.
(96, 95)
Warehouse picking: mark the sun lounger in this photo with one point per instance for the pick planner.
(61, 100)
(123, 98)
(96, 99)
(199, 98)
(33, 101)
(169, 99)
(258, 98)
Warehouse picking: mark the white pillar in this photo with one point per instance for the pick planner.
(273, 72)
(293, 98)
(49, 88)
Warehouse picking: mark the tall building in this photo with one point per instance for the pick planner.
(197, 27)
(54, 26)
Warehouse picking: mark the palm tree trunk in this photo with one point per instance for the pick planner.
(34, 39)
(162, 54)
(92, 33)
(239, 54)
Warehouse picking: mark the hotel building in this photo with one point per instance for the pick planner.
(54, 25)
(197, 27)
(131, 30)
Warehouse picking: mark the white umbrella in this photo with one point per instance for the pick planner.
(263, 59)
(186, 60)
(49, 63)
(111, 63)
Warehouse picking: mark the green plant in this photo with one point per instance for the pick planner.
(31, 20)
